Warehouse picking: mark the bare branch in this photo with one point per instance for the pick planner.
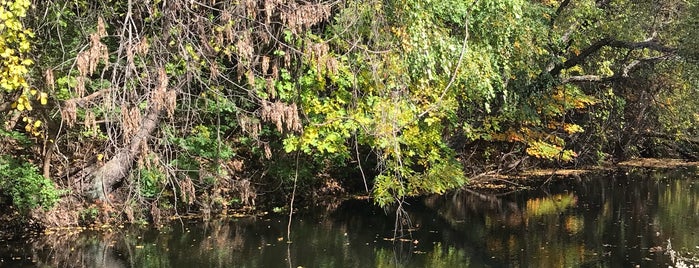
(608, 42)
(559, 10)
(587, 78)
(624, 73)
(580, 58)
(648, 44)
(82, 101)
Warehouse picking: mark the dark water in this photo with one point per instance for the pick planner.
(640, 220)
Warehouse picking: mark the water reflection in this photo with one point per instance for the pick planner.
(612, 221)
(605, 221)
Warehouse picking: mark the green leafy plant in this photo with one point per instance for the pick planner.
(202, 143)
(89, 215)
(25, 186)
(151, 178)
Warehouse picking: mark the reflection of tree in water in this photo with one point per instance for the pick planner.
(597, 221)
(438, 256)
(610, 221)
(677, 214)
(73, 249)
(515, 229)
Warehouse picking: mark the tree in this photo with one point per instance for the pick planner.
(192, 104)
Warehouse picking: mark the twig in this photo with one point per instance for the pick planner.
(293, 196)
(359, 163)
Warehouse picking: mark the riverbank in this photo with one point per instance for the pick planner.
(71, 213)
(625, 218)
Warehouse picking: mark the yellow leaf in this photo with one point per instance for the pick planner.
(44, 98)
(20, 107)
(24, 46)
(100, 157)
(32, 92)
(7, 53)
(37, 123)
(28, 128)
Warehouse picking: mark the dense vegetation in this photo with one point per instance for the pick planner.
(145, 109)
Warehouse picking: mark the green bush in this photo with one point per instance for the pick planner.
(27, 188)
(151, 182)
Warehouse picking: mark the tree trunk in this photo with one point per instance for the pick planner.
(107, 175)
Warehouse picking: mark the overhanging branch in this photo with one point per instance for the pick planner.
(588, 78)
(609, 42)
(649, 44)
(579, 58)
(622, 74)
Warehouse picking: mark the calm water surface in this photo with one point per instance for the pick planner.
(640, 220)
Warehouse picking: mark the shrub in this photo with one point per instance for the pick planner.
(27, 188)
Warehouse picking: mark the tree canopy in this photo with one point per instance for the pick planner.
(215, 104)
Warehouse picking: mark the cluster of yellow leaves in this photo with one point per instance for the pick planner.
(14, 64)
(565, 98)
(24, 103)
(32, 126)
(545, 150)
(572, 128)
(14, 43)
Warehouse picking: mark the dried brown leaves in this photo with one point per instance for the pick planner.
(130, 120)
(318, 53)
(282, 115)
(246, 191)
(250, 125)
(187, 191)
(162, 98)
(87, 60)
(302, 16)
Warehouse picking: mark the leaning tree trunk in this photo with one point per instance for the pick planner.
(106, 176)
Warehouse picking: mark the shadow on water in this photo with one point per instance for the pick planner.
(600, 221)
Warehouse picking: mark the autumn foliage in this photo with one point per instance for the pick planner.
(164, 107)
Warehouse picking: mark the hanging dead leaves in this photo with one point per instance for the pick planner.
(302, 16)
(164, 99)
(87, 60)
(282, 115)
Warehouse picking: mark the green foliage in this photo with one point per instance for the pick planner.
(151, 182)
(27, 188)
(89, 215)
(202, 143)
(418, 84)
(12, 136)
(688, 39)
(677, 113)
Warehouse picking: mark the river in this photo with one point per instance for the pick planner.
(645, 219)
